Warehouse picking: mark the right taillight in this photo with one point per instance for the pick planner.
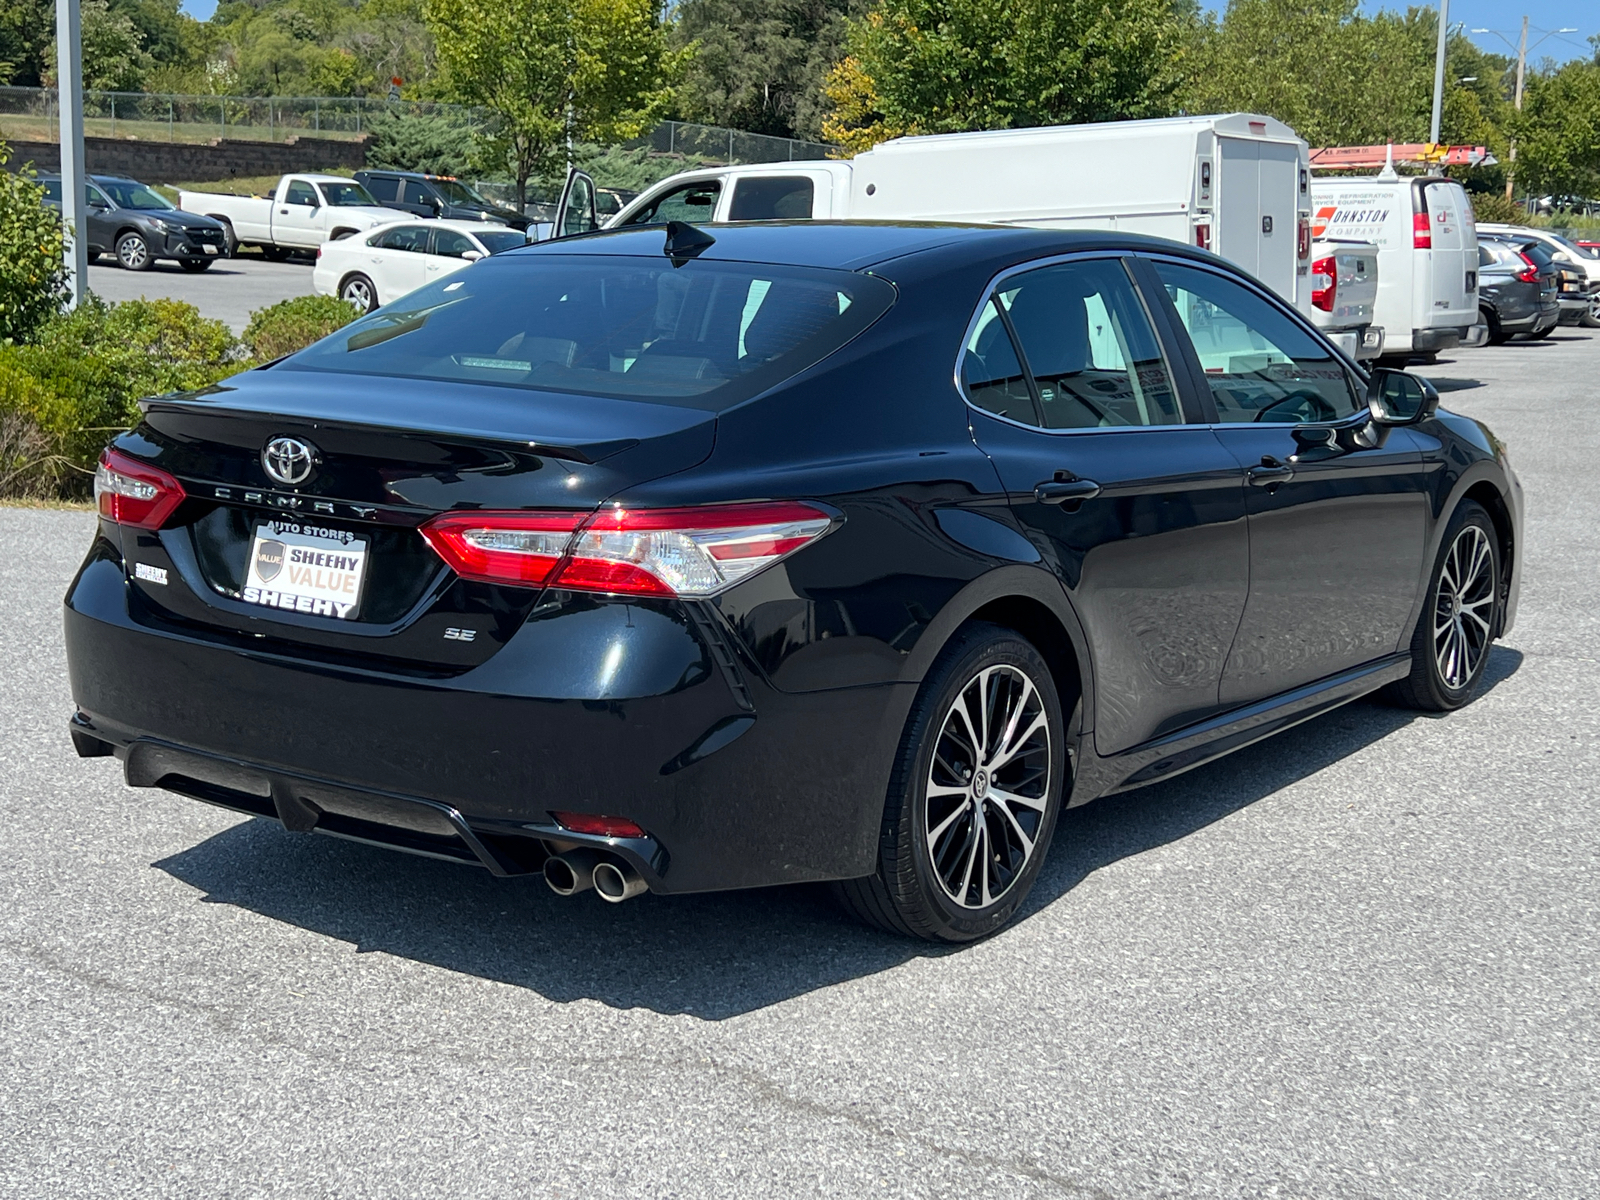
(1421, 232)
(1324, 283)
(642, 552)
(134, 493)
(1530, 273)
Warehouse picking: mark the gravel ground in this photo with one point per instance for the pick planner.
(230, 290)
(1358, 960)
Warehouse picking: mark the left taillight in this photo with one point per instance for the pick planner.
(134, 493)
(688, 552)
(1324, 283)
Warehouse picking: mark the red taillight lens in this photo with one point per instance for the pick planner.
(1324, 283)
(134, 493)
(604, 826)
(510, 547)
(650, 552)
(1421, 232)
(1202, 236)
(1530, 273)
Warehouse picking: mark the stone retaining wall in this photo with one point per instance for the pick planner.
(218, 160)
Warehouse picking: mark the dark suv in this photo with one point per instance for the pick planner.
(139, 225)
(436, 196)
(1517, 288)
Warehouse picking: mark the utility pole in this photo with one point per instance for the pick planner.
(69, 72)
(1522, 68)
(1438, 69)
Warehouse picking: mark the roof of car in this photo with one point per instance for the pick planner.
(854, 245)
(436, 223)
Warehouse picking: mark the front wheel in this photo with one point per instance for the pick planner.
(1591, 316)
(133, 252)
(1450, 647)
(974, 796)
(358, 290)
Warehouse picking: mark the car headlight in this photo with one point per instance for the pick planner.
(168, 226)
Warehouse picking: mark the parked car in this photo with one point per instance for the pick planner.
(303, 212)
(1564, 250)
(1344, 290)
(140, 226)
(682, 560)
(392, 260)
(425, 195)
(1517, 295)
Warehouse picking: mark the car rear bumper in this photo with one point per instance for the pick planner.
(736, 784)
(1427, 341)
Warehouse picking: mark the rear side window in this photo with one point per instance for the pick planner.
(704, 335)
(781, 198)
(692, 202)
(1261, 365)
(991, 375)
(384, 188)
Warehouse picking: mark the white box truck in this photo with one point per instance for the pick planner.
(1427, 253)
(1237, 184)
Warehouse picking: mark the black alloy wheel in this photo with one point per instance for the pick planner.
(229, 240)
(974, 796)
(133, 252)
(1460, 618)
(193, 265)
(359, 290)
(1497, 336)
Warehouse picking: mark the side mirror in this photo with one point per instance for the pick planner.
(472, 255)
(1398, 398)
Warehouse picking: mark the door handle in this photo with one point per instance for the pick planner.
(1062, 491)
(1270, 472)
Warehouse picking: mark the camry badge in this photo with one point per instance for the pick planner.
(289, 460)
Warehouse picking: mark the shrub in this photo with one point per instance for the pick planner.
(292, 325)
(439, 145)
(32, 273)
(1493, 206)
(30, 465)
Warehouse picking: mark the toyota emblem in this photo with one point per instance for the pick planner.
(289, 460)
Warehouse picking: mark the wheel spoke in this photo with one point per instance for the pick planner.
(1011, 749)
(938, 830)
(1022, 836)
(1006, 797)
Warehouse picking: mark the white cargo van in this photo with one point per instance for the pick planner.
(1427, 253)
(1344, 293)
(1237, 184)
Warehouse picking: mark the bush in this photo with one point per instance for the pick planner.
(292, 325)
(1493, 206)
(30, 466)
(438, 145)
(33, 275)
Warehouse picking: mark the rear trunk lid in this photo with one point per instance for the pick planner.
(386, 454)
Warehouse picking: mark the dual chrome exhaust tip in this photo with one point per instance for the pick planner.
(579, 870)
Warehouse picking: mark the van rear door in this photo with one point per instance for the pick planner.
(1447, 301)
(1257, 211)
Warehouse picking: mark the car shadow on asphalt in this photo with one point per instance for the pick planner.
(718, 955)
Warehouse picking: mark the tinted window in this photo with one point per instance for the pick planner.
(301, 193)
(495, 241)
(412, 192)
(1087, 342)
(990, 372)
(452, 244)
(345, 194)
(704, 335)
(786, 198)
(1261, 364)
(691, 202)
(383, 187)
(404, 237)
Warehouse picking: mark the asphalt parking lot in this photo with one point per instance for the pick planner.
(229, 291)
(1358, 960)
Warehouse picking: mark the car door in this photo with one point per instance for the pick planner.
(1137, 507)
(101, 215)
(447, 254)
(294, 220)
(1338, 509)
(418, 199)
(398, 257)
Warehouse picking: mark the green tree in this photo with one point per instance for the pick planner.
(27, 40)
(1558, 133)
(114, 57)
(551, 71)
(759, 65)
(942, 66)
(32, 273)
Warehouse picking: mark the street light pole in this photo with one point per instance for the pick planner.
(1522, 69)
(69, 74)
(1438, 70)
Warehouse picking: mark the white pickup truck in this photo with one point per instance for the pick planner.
(303, 212)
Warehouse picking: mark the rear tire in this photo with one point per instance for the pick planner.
(359, 290)
(1496, 336)
(1460, 618)
(275, 253)
(229, 238)
(966, 829)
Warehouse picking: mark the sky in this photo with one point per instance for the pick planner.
(1543, 15)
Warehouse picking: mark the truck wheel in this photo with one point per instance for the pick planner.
(229, 239)
(1496, 337)
(275, 253)
(358, 290)
(133, 252)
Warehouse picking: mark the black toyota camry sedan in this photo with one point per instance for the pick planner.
(682, 559)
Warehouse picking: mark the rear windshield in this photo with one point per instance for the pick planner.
(703, 335)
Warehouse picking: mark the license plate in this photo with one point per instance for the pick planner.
(209, 249)
(306, 569)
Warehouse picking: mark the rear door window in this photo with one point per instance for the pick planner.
(1262, 366)
(384, 188)
(691, 202)
(772, 198)
(705, 335)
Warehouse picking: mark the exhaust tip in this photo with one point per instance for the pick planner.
(617, 882)
(570, 873)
